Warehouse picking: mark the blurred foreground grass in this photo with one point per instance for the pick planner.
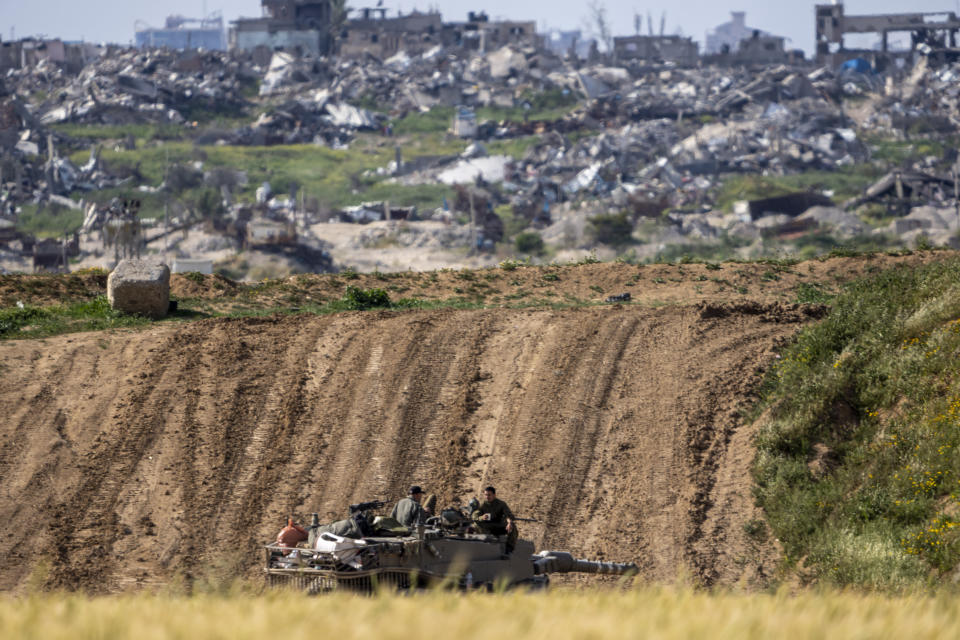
(656, 613)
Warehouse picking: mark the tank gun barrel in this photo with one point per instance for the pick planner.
(563, 562)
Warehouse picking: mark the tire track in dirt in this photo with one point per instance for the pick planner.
(138, 456)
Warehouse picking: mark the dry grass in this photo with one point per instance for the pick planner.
(655, 613)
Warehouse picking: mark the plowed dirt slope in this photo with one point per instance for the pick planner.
(131, 457)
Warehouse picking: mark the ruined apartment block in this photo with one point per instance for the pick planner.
(929, 32)
(479, 33)
(302, 26)
(374, 33)
(30, 52)
(307, 27)
(676, 49)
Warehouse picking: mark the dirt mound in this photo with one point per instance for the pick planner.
(43, 290)
(656, 285)
(200, 287)
(776, 312)
(131, 457)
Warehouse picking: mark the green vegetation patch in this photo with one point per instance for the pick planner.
(336, 178)
(858, 463)
(356, 299)
(39, 322)
(49, 221)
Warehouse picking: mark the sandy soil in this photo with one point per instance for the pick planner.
(127, 458)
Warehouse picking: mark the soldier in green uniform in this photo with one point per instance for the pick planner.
(493, 516)
(408, 511)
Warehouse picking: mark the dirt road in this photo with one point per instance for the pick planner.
(132, 457)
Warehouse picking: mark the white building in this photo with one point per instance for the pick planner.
(726, 38)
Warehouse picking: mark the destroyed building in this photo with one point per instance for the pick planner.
(479, 33)
(567, 43)
(180, 32)
(762, 49)
(371, 31)
(932, 31)
(726, 38)
(292, 25)
(10, 56)
(30, 52)
(676, 49)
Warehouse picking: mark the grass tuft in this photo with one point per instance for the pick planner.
(39, 322)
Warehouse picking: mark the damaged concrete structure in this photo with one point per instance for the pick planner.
(762, 49)
(303, 26)
(184, 33)
(311, 27)
(374, 33)
(479, 33)
(932, 30)
(29, 52)
(726, 38)
(676, 49)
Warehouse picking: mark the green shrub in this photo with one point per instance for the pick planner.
(614, 229)
(529, 242)
(513, 265)
(356, 299)
(14, 319)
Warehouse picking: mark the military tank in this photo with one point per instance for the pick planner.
(367, 552)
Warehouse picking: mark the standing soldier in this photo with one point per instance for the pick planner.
(493, 516)
(408, 511)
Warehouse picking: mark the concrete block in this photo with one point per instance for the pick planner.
(141, 287)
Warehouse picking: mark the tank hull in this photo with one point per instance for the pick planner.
(432, 559)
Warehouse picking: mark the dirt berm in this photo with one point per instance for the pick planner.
(129, 458)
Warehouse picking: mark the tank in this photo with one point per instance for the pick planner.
(368, 552)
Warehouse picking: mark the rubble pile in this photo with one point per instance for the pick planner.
(31, 167)
(645, 139)
(665, 138)
(926, 101)
(134, 87)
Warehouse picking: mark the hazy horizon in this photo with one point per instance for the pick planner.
(113, 21)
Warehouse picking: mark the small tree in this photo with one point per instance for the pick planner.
(529, 242)
(210, 207)
(338, 18)
(599, 24)
(615, 229)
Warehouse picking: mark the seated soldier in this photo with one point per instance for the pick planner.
(494, 517)
(408, 511)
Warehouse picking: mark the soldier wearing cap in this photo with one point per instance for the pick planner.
(408, 511)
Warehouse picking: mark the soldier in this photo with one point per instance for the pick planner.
(430, 505)
(493, 516)
(408, 511)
